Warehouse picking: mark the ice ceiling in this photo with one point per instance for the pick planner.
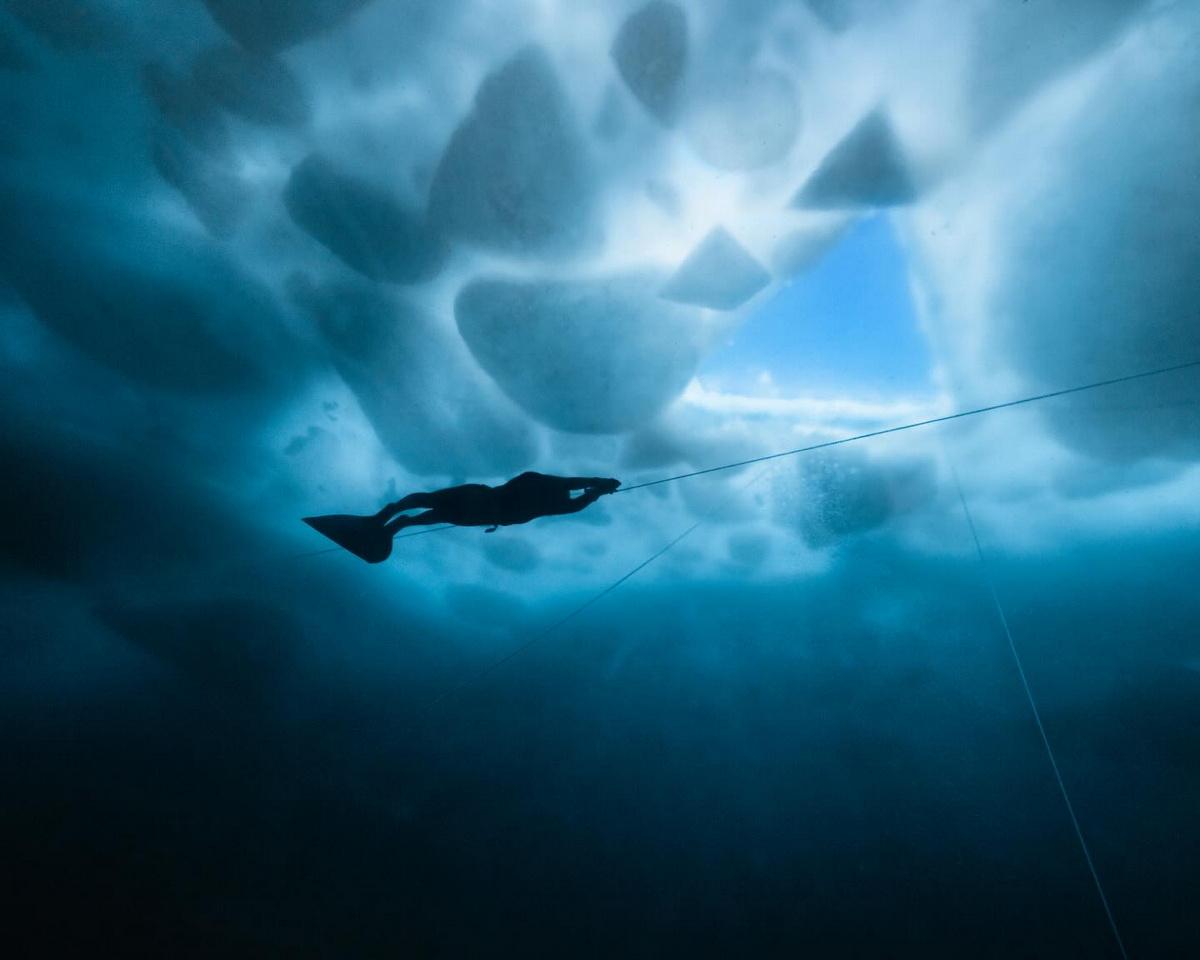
(300, 255)
(262, 259)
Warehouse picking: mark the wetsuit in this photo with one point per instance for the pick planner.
(521, 499)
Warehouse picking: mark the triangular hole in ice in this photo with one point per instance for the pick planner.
(847, 325)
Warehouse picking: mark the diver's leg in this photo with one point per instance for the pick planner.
(467, 505)
(446, 499)
(414, 501)
(420, 520)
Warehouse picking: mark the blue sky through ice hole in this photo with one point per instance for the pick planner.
(847, 324)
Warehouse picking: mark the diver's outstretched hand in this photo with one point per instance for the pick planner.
(606, 484)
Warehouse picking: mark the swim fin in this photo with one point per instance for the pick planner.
(365, 537)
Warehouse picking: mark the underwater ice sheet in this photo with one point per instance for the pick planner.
(277, 260)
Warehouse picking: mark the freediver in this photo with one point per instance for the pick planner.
(521, 499)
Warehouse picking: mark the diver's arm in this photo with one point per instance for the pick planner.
(573, 505)
(548, 481)
(604, 484)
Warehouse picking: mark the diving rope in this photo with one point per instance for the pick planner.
(497, 664)
(919, 423)
(1037, 716)
(825, 444)
(489, 668)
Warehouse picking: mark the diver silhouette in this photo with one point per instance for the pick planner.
(521, 499)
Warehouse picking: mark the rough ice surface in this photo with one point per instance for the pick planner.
(70, 25)
(718, 274)
(211, 190)
(744, 119)
(414, 383)
(593, 356)
(512, 552)
(360, 223)
(738, 704)
(664, 196)
(651, 53)
(168, 314)
(271, 25)
(1058, 238)
(837, 15)
(866, 169)
(184, 105)
(514, 176)
(260, 89)
(843, 493)
(1017, 52)
(800, 249)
